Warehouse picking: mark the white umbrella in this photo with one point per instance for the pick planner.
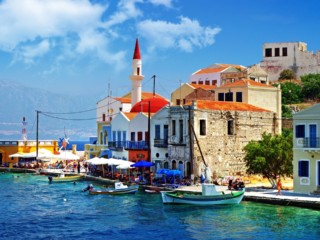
(66, 155)
(124, 166)
(97, 161)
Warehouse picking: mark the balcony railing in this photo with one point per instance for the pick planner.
(117, 145)
(160, 143)
(311, 143)
(137, 145)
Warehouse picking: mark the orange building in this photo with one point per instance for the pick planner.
(8, 148)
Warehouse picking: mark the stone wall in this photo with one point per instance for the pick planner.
(223, 152)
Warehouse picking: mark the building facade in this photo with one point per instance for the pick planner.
(306, 150)
(289, 55)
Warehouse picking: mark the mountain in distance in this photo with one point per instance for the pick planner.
(18, 101)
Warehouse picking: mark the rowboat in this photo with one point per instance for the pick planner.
(118, 189)
(63, 178)
(208, 196)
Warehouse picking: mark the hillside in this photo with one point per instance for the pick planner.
(18, 101)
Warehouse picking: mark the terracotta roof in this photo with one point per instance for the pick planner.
(231, 65)
(143, 95)
(156, 103)
(130, 115)
(205, 87)
(210, 70)
(123, 100)
(216, 105)
(136, 54)
(246, 82)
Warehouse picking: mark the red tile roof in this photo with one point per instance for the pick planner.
(130, 115)
(143, 95)
(205, 87)
(225, 106)
(210, 70)
(123, 100)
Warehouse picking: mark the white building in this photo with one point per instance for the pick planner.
(289, 55)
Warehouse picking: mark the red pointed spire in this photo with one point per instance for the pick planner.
(136, 54)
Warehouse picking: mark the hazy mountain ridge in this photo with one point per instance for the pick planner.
(18, 100)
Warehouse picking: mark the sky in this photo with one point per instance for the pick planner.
(83, 47)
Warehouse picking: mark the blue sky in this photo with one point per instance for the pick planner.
(77, 47)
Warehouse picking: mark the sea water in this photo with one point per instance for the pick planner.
(31, 208)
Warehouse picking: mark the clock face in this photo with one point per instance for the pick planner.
(110, 110)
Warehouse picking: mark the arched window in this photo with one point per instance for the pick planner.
(166, 165)
(174, 164)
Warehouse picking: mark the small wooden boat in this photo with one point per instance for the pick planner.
(119, 188)
(208, 196)
(63, 178)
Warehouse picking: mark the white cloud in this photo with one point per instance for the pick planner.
(166, 3)
(127, 10)
(184, 35)
(29, 52)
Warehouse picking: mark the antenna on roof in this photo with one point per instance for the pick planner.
(154, 84)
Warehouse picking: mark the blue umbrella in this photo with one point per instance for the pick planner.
(142, 163)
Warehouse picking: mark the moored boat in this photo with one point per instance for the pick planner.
(119, 188)
(63, 178)
(208, 196)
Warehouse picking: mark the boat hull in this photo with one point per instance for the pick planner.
(175, 197)
(112, 191)
(66, 179)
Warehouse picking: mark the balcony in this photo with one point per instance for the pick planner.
(312, 143)
(137, 145)
(178, 141)
(160, 143)
(117, 145)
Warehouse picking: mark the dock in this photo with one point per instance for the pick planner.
(269, 196)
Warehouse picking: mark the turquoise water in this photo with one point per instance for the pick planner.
(33, 209)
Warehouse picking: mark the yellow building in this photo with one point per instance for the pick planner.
(306, 150)
(8, 148)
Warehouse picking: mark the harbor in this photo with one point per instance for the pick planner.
(36, 209)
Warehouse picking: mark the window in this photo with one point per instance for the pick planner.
(178, 101)
(201, 82)
(239, 96)
(229, 97)
(300, 131)
(173, 127)
(165, 133)
(181, 131)
(214, 82)
(194, 82)
(138, 71)
(140, 136)
(284, 52)
(157, 132)
(119, 136)
(103, 117)
(202, 127)
(207, 82)
(277, 52)
(230, 127)
(114, 134)
(133, 136)
(303, 168)
(268, 52)
(221, 97)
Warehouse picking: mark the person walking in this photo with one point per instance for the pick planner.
(279, 187)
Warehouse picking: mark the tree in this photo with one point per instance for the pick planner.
(291, 93)
(311, 86)
(287, 74)
(271, 156)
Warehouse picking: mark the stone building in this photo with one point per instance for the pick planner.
(221, 130)
(289, 55)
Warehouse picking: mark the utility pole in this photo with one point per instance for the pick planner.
(37, 134)
(149, 135)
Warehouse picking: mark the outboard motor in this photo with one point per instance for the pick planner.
(50, 179)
